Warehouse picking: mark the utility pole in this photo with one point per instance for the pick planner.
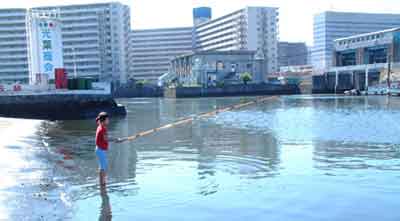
(389, 71)
(74, 58)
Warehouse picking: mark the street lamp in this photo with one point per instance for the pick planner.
(74, 60)
(259, 57)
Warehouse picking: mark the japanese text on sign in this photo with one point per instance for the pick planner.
(47, 46)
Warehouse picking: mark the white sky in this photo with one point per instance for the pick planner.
(296, 16)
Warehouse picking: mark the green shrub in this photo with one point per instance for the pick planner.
(246, 77)
(220, 84)
(141, 83)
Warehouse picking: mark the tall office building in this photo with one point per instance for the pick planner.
(329, 26)
(292, 54)
(13, 46)
(251, 28)
(95, 39)
(151, 51)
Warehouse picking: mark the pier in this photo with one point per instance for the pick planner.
(360, 77)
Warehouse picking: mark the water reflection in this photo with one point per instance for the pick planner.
(105, 211)
(30, 187)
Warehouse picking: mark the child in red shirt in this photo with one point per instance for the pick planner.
(102, 121)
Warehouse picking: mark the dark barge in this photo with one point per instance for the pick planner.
(68, 105)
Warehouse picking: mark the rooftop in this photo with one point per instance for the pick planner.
(235, 52)
(162, 29)
(368, 34)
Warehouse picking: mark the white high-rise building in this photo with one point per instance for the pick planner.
(329, 26)
(151, 51)
(95, 39)
(251, 28)
(13, 46)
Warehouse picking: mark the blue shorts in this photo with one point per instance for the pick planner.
(102, 158)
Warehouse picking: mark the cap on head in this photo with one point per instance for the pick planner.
(101, 117)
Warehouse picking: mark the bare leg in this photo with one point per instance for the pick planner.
(102, 176)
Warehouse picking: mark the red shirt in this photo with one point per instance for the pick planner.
(101, 134)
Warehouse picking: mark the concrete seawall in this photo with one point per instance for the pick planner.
(143, 91)
(328, 83)
(232, 90)
(58, 106)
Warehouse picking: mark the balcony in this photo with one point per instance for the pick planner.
(158, 38)
(7, 36)
(13, 28)
(83, 25)
(15, 49)
(75, 17)
(15, 77)
(81, 47)
(77, 40)
(79, 10)
(22, 43)
(70, 61)
(81, 53)
(9, 56)
(18, 22)
(82, 67)
(80, 32)
(13, 70)
(10, 62)
(13, 14)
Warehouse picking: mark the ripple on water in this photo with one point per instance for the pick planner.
(307, 123)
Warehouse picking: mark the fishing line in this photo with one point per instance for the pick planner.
(192, 118)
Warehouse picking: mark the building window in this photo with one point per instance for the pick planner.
(220, 65)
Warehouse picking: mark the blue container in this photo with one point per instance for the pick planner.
(202, 12)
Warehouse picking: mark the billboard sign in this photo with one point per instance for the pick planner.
(45, 45)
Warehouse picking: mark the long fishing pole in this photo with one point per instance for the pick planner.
(190, 119)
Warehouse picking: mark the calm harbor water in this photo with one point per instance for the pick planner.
(293, 158)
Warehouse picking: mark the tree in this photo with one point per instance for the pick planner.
(140, 83)
(246, 77)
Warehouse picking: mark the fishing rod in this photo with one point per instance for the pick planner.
(190, 119)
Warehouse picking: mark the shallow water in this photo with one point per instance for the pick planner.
(293, 158)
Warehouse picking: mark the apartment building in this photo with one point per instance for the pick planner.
(151, 51)
(13, 46)
(251, 28)
(95, 39)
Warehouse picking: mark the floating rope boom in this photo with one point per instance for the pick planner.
(190, 119)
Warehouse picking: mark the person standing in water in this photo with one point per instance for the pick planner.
(102, 144)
